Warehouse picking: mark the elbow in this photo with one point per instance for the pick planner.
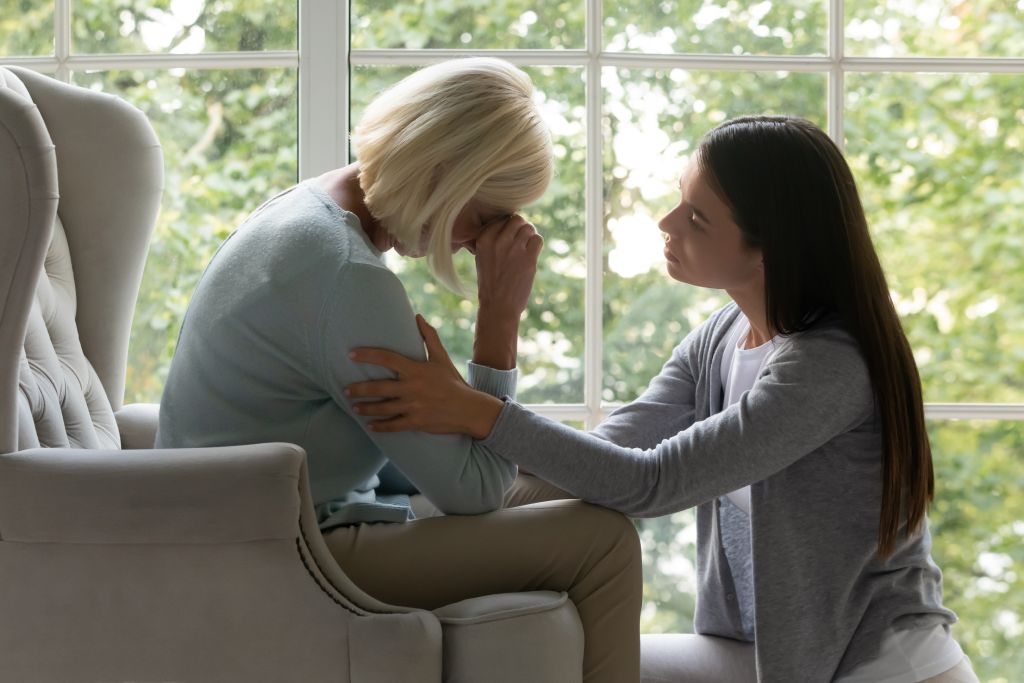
(481, 498)
(470, 504)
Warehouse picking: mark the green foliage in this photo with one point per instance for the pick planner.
(935, 28)
(938, 159)
(187, 26)
(26, 27)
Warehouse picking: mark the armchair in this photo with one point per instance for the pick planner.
(122, 562)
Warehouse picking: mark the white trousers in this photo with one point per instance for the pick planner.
(690, 658)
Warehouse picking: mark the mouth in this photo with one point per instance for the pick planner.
(670, 257)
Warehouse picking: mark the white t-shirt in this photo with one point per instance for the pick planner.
(906, 656)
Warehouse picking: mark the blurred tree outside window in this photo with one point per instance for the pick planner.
(937, 149)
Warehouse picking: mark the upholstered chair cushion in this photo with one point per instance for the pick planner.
(62, 401)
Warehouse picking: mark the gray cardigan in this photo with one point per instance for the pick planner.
(807, 438)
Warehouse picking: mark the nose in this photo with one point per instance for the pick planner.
(668, 222)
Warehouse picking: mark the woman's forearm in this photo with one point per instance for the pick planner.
(496, 339)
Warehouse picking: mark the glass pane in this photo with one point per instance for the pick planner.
(977, 524)
(791, 27)
(183, 26)
(935, 28)
(551, 335)
(654, 119)
(230, 141)
(468, 24)
(26, 27)
(940, 163)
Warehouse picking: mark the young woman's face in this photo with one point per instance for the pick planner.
(703, 244)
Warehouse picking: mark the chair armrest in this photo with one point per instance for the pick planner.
(194, 495)
(137, 423)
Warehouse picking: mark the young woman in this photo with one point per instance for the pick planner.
(792, 418)
(446, 158)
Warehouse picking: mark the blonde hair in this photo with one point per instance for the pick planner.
(455, 131)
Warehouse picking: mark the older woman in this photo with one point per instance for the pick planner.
(446, 158)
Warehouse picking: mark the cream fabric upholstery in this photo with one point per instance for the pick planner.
(160, 565)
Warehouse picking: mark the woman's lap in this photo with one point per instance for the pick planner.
(691, 658)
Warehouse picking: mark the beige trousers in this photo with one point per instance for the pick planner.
(589, 552)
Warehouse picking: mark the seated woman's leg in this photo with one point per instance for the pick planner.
(527, 489)
(565, 545)
(690, 658)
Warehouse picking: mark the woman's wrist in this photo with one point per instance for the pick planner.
(483, 414)
(496, 339)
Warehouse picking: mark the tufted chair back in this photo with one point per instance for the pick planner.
(85, 193)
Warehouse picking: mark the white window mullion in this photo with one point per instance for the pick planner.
(323, 86)
(593, 333)
(276, 59)
(62, 38)
(836, 76)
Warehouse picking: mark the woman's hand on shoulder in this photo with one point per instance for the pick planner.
(428, 396)
(506, 262)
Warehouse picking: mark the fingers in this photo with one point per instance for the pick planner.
(388, 359)
(374, 389)
(534, 245)
(390, 408)
(435, 349)
(505, 233)
(396, 424)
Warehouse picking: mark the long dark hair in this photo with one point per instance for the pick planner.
(794, 197)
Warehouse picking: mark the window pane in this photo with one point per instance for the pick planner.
(183, 26)
(792, 27)
(940, 164)
(654, 119)
(26, 27)
(468, 24)
(551, 335)
(230, 142)
(977, 525)
(935, 28)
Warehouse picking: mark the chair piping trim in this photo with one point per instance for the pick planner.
(353, 610)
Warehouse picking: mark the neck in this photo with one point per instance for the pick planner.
(342, 185)
(751, 302)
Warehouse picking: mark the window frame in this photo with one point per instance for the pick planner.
(324, 58)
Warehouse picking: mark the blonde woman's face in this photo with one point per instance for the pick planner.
(468, 225)
(471, 221)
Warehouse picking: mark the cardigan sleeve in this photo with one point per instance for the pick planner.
(816, 388)
(665, 408)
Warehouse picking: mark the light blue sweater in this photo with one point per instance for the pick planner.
(808, 439)
(263, 356)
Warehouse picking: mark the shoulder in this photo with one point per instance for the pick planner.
(828, 356)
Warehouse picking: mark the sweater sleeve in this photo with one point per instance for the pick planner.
(664, 409)
(368, 307)
(815, 389)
